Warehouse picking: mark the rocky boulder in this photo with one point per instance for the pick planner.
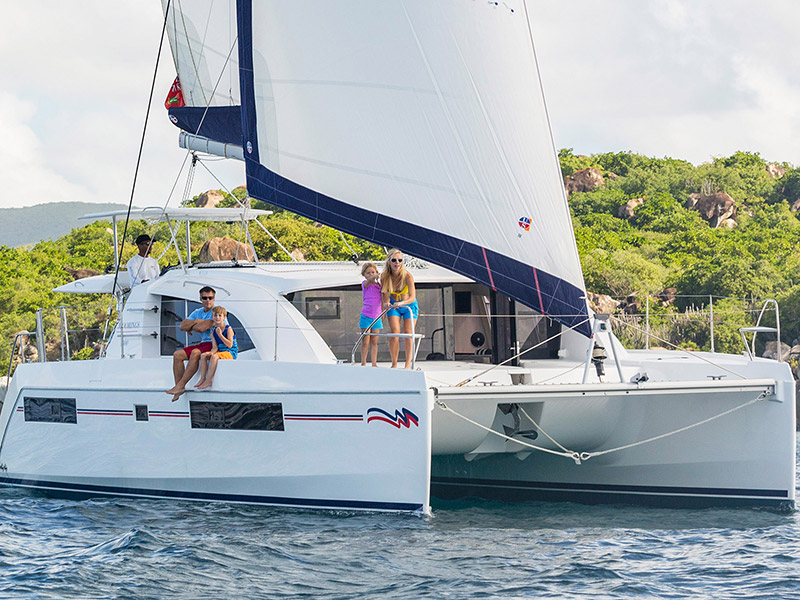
(584, 180)
(770, 350)
(601, 304)
(716, 208)
(81, 273)
(668, 296)
(210, 199)
(217, 249)
(775, 170)
(627, 210)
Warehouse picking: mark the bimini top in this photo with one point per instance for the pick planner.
(159, 213)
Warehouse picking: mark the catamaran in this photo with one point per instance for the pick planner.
(422, 126)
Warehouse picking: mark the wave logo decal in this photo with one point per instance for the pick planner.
(402, 418)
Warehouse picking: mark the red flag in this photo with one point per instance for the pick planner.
(175, 96)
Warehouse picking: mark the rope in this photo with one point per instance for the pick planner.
(573, 455)
(580, 457)
(539, 427)
(588, 455)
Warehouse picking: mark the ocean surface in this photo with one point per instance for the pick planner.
(120, 548)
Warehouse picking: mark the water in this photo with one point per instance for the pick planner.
(119, 548)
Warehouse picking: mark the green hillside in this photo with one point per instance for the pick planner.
(662, 236)
(31, 224)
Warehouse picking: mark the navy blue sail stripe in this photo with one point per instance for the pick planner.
(564, 302)
(220, 123)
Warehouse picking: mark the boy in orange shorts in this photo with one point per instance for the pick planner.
(223, 347)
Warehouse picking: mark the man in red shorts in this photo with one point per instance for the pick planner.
(201, 321)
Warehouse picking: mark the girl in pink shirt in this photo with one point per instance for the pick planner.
(371, 310)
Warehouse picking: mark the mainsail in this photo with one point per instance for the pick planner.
(413, 124)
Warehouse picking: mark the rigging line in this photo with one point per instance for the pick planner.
(224, 187)
(693, 354)
(141, 144)
(188, 152)
(573, 455)
(187, 188)
(539, 427)
(588, 455)
(560, 333)
(241, 204)
(216, 85)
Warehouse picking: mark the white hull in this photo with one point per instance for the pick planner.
(727, 442)
(328, 452)
(744, 457)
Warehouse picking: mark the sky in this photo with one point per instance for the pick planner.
(687, 79)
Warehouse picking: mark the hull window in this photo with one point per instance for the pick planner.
(141, 412)
(263, 416)
(50, 410)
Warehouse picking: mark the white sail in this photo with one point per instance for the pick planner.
(416, 124)
(202, 35)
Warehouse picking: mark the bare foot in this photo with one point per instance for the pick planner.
(178, 395)
(204, 385)
(176, 389)
(199, 384)
(374, 364)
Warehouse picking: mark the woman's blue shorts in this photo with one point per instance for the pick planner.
(407, 312)
(364, 321)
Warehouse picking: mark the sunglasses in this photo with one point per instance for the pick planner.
(397, 260)
(206, 297)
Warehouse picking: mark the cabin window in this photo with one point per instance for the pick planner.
(323, 308)
(334, 313)
(254, 416)
(462, 302)
(50, 410)
(458, 321)
(174, 310)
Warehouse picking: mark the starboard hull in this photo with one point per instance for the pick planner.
(678, 444)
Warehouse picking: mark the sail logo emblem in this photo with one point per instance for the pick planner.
(402, 418)
(525, 223)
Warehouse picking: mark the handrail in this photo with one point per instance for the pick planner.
(759, 329)
(417, 337)
(14, 347)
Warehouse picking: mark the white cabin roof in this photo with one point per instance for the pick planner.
(277, 277)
